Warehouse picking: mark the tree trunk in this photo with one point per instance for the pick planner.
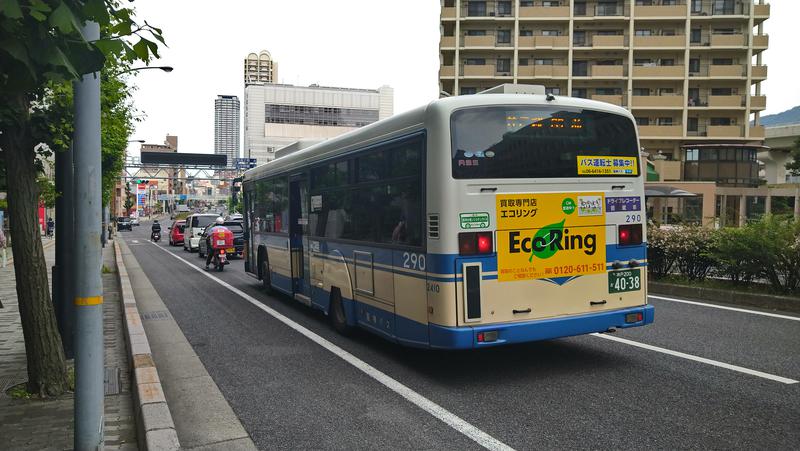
(47, 373)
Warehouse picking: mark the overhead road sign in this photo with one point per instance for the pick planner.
(189, 159)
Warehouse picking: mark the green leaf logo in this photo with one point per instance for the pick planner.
(546, 235)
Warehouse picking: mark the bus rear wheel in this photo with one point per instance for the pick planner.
(265, 276)
(336, 313)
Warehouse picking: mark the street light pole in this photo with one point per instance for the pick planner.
(88, 295)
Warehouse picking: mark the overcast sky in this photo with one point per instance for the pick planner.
(347, 43)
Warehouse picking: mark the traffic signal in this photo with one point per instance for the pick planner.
(141, 181)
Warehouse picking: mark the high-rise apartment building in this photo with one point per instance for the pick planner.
(690, 71)
(277, 115)
(260, 68)
(226, 127)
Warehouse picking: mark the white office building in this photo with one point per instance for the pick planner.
(277, 115)
(226, 127)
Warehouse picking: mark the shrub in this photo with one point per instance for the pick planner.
(778, 245)
(737, 254)
(659, 259)
(692, 246)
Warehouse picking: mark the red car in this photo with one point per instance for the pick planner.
(176, 233)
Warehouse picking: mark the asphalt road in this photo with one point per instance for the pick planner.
(581, 392)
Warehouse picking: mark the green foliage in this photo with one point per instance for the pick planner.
(47, 191)
(794, 166)
(130, 200)
(660, 256)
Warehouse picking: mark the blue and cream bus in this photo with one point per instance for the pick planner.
(472, 221)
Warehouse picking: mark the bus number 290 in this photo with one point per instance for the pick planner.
(414, 261)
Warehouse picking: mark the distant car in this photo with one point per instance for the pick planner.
(238, 239)
(176, 232)
(124, 223)
(235, 217)
(134, 220)
(194, 228)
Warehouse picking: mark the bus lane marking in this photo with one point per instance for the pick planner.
(740, 369)
(482, 438)
(722, 307)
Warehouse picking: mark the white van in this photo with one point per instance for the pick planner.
(194, 228)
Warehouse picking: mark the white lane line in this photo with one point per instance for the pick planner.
(772, 377)
(480, 437)
(722, 307)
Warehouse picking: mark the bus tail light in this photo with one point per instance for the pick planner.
(487, 337)
(475, 243)
(630, 234)
(633, 317)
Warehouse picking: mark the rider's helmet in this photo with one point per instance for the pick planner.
(155, 221)
(219, 220)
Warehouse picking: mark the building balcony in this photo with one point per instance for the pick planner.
(759, 72)
(660, 131)
(479, 41)
(757, 131)
(761, 41)
(612, 99)
(761, 10)
(659, 11)
(665, 101)
(551, 70)
(526, 71)
(659, 71)
(758, 102)
(475, 70)
(659, 41)
(449, 12)
(724, 131)
(447, 42)
(727, 40)
(447, 71)
(725, 101)
(608, 41)
(733, 70)
(541, 12)
(607, 71)
(551, 41)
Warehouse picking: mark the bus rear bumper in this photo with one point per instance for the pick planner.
(442, 337)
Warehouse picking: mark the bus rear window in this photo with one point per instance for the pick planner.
(544, 142)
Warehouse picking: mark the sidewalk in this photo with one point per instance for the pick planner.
(48, 424)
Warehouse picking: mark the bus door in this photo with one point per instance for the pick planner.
(298, 238)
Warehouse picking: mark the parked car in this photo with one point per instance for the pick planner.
(238, 239)
(194, 228)
(176, 232)
(124, 223)
(235, 217)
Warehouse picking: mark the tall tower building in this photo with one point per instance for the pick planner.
(260, 68)
(226, 127)
(690, 71)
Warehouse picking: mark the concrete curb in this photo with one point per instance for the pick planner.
(156, 430)
(739, 298)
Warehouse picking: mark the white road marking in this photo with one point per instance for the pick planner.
(135, 241)
(722, 307)
(728, 366)
(455, 422)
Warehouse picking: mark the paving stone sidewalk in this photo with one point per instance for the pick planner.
(40, 425)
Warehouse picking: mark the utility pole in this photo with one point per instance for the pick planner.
(63, 271)
(88, 300)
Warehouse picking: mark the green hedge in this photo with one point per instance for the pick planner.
(768, 249)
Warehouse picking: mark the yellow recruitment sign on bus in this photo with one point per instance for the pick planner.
(541, 236)
(603, 165)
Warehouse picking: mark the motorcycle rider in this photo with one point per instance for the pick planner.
(218, 227)
(155, 228)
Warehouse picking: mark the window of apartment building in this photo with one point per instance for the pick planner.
(523, 61)
(642, 121)
(555, 90)
(607, 63)
(579, 92)
(695, 36)
(668, 32)
(476, 32)
(722, 92)
(526, 3)
(607, 8)
(694, 96)
(476, 9)
(641, 91)
(580, 68)
(526, 32)
(724, 31)
(466, 90)
(666, 91)
(665, 121)
(721, 121)
(643, 62)
(643, 32)
(697, 6)
(692, 154)
(669, 2)
(551, 33)
(722, 61)
(694, 65)
(504, 36)
(551, 3)
(503, 65)
(504, 8)
(608, 91)
(579, 9)
(543, 61)
(722, 7)
(644, 2)
(691, 124)
(579, 37)
(666, 62)
(474, 61)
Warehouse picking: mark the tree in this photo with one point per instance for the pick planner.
(129, 199)
(794, 166)
(42, 44)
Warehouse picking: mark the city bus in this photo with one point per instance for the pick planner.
(473, 221)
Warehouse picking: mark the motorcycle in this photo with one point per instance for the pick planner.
(220, 259)
(156, 236)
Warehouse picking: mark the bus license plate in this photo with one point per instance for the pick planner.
(231, 250)
(622, 281)
(220, 242)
